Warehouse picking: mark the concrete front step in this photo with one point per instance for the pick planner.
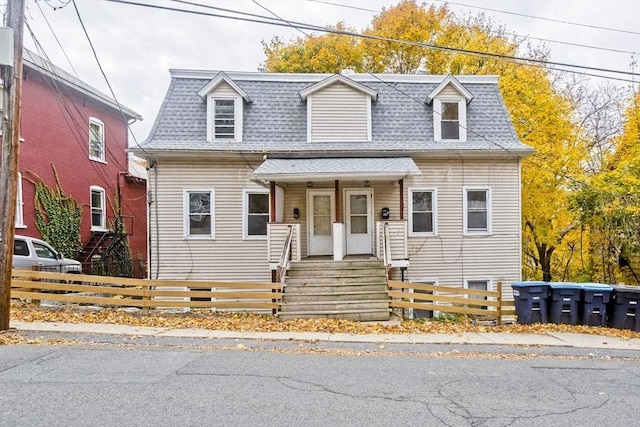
(316, 306)
(293, 296)
(356, 316)
(335, 265)
(346, 272)
(335, 281)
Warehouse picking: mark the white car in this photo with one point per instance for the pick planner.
(29, 251)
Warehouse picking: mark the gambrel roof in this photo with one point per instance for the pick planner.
(275, 122)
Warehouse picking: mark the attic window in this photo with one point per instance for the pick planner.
(224, 119)
(450, 121)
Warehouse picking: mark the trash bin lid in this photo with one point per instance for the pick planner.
(596, 287)
(563, 285)
(518, 285)
(628, 289)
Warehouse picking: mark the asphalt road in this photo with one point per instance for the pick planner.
(246, 383)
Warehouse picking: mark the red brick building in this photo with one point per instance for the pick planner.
(72, 130)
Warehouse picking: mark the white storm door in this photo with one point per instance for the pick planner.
(320, 217)
(359, 220)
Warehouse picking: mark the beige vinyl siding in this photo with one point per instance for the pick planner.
(223, 90)
(227, 256)
(451, 257)
(449, 92)
(339, 113)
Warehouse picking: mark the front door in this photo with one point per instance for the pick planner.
(359, 221)
(321, 216)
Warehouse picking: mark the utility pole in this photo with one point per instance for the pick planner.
(11, 114)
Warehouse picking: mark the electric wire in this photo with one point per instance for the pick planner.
(569, 68)
(529, 37)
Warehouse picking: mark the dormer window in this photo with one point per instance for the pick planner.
(450, 101)
(450, 121)
(224, 108)
(224, 119)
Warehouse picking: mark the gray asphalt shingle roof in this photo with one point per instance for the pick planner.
(276, 120)
(336, 168)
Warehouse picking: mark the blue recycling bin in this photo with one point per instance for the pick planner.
(531, 301)
(595, 299)
(625, 313)
(564, 303)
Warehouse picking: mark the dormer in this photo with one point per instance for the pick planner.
(450, 101)
(224, 100)
(338, 110)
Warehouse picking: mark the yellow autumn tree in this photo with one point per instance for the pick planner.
(609, 206)
(542, 117)
(315, 53)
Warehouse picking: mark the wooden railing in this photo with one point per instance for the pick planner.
(145, 294)
(448, 299)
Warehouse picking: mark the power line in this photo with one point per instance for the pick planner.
(346, 6)
(560, 21)
(95, 55)
(570, 68)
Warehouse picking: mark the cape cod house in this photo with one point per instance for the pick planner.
(419, 171)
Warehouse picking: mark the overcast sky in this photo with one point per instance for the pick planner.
(138, 45)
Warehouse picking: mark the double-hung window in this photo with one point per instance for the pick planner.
(477, 211)
(478, 285)
(224, 119)
(422, 212)
(450, 119)
(198, 214)
(97, 208)
(96, 140)
(256, 214)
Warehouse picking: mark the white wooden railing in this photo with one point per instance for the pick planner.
(391, 243)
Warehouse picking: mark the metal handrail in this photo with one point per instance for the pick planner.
(284, 257)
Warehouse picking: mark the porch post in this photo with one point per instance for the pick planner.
(401, 186)
(337, 198)
(272, 201)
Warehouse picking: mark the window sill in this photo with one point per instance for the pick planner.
(20, 226)
(412, 234)
(95, 159)
(196, 237)
(477, 233)
(101, 229)
(261, 237)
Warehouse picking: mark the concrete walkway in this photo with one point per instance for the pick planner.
(549, 339)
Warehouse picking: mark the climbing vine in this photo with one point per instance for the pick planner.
(58, 216)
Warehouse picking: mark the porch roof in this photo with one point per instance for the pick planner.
(353, 168)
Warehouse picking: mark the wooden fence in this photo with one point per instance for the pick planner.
(449, 299)
(146, 294)
(142, 293)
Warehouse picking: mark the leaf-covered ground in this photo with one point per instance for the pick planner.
(250, 322)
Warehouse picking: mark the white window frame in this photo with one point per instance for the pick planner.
(245, 214)
(238, 108)
(490, 287)
(103, 213)
(19, 223)
(437, 118)
(475, 232)
(432, 282)
(434, 211)
(100, 123)
(186, 213)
